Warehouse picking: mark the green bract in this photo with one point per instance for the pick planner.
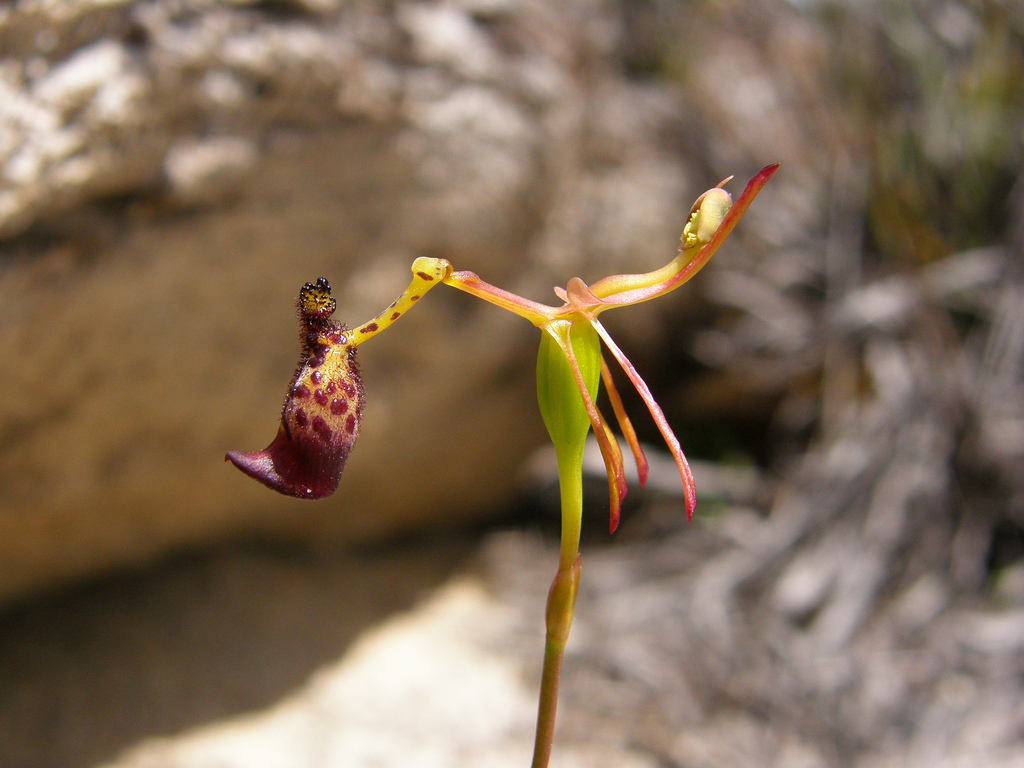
(558, 395)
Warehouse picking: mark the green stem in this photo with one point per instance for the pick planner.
(561, 598)
(570, 489)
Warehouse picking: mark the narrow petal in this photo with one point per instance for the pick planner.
(614, 478)
(536, 313)
(689, 490)
(624, 423)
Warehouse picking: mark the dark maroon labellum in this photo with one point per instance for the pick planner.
(317, 433)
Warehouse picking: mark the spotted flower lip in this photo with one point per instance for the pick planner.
(322, 411)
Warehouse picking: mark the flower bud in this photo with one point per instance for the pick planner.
(322, 410)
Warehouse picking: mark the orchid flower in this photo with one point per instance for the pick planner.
(711, 219)
(320, 419)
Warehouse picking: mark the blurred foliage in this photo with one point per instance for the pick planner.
(929, 94)
(946, 144)
(900, 127)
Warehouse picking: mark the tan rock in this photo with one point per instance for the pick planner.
(171, 178)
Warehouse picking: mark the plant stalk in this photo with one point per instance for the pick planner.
(561, 599)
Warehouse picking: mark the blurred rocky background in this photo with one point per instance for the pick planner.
(847, 375)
